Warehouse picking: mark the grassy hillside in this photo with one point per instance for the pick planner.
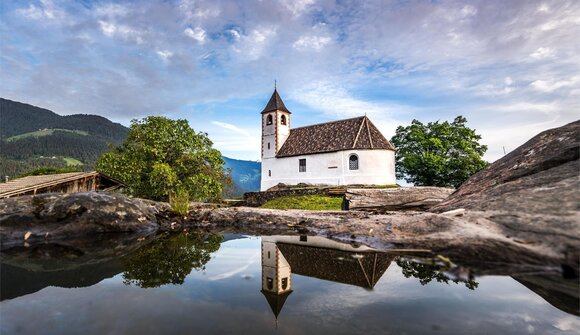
(45, 132)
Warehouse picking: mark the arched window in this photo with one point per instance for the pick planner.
(269, 119)
(353, 162)
(284, 283)
(283, 119)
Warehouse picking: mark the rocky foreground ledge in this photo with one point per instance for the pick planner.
(521, 209)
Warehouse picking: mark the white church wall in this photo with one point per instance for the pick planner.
(375, 167)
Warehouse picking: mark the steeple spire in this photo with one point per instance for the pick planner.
(275, 102)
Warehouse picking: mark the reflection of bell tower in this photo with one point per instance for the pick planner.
(276, 280)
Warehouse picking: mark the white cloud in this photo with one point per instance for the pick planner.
(335, 102)
(164, 54)
(197, 34)
(235, 34)
(111, 10)
(253, 46)
(46, 10)
(297, 7)
(125, 32)
(231, 127)
(542, 52)
(548, 86)
(311, 42)
(235, 140)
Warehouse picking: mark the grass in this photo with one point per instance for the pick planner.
(45, 132)
(308, 202)
(72, 161)
(179, 201)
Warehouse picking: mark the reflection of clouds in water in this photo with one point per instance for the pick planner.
(568, 324)
(234, 257)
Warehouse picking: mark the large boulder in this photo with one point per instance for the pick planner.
(394, 199)
(54, 216)
(541, 176)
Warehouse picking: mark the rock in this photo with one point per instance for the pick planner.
(485, 236)
(541, 176)
(393, 199)
(51, 216)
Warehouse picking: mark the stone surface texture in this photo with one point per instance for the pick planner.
(394, 199)
(50, 216)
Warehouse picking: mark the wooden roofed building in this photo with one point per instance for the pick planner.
(71, 182)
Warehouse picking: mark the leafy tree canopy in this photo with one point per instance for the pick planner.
(161, 155)
(439, 153)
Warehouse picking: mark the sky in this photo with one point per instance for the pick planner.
(512, 68)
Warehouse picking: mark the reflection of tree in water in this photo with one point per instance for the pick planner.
(428, 272)
(169, 259)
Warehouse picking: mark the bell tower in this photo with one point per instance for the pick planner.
(276, 276)
(275, 126)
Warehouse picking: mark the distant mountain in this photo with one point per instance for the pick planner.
(19, 118)
(32, 137)
(245, 174)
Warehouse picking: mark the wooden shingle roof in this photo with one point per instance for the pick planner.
(275, 103)
(338, 266)
(25, 184)
(356, 133)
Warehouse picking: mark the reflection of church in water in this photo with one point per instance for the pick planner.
(317, 257)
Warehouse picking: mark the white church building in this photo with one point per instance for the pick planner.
(344, 152)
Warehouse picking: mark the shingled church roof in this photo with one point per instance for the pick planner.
(356, 133)
(275, 103)
(336, 265)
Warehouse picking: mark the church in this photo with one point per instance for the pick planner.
(344, 152)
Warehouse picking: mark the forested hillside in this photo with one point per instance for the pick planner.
(19, 118)
(32, 137)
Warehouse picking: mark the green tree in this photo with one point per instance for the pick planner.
(161, 155)
(439, 153)
(427, 272)
(169, 259)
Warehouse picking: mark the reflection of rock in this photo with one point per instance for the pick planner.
(71, 263)
(395, 199)
(51, 217)
(559, 292)
(17, 281)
